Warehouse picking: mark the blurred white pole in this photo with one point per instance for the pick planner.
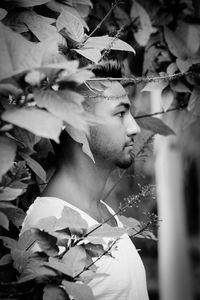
(174, 270)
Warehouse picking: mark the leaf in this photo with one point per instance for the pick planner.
(3, 13)
(75, 260)
(26, 239)
(106, 231)
(194, 102)
(20, 258)
(46, 242)
(63, 104)
(179, 87)
(15, 214)
(94, 250)
(7, 154)
(155, 125)
(4, 222)
(183, 65)
(91, 54)
(35, 120)
(157, 85)
(105, 42)
(129, 222)
(81, 138)
(8, 194)
(10, 88)
(53, 292)
(8, 242)
(36, 167)
(47, 224)
(71, 219)
(145, 28)
(172, 68)
(28, 3)
(78, 291)
(6, 260)
(167, 98)
(72, 26)
(34, 77)
(55, 264)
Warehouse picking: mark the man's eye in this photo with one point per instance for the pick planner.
(121, 114)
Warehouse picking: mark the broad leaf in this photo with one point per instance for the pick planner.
(5, 260)
(94, 250)
(53, 292)
(20, 258)
(7, 154)
(71, 219)
(26, 240)
(172, 68)
(72, 26)
(9, 194)
(78, 291)
(64, 104)
(145, 28)
(55, 264)
(75, 260)
(34, 77)
(157, 85)
(107, 42)
(4, 222)
(155, 125)
(35, 120)
(106, 231)
(46, 242)
(47, 224)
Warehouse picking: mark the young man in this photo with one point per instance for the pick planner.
(78, 183)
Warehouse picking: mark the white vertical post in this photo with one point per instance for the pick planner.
(174, 270)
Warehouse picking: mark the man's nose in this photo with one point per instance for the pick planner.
(132, 126)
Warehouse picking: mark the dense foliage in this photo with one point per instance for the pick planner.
(47, 49)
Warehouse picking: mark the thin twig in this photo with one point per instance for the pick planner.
(99, 25)
(158, 113)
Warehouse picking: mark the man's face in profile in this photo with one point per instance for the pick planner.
(111, 142)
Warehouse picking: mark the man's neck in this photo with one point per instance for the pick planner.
(79, 181)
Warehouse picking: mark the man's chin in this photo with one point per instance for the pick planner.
(125, 164)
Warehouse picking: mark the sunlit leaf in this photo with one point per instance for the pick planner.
(91, 54)
(157, 85)
(106, 231)
(8, 242)
(53, 292)
(167, 97)
(36, 167)
(4, 222)
(55, 264)
(46, 242)
(72, 26)
(172, 68)
(35, 120)
(105, 42)
(64, 104)
(145, 28)
(78, 291)
(155, 125)
(8, 194)
(75, 260)
(34, 77)
(7, 154)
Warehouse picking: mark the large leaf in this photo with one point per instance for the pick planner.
(8, 242)
(64, 104)
(78, 291)
(35, 120)
(72, 26)
(107, 42)
(91, 54)
(26, 240)
(46, 242)
(53, 292)
(155, 125)
(55, 264)
(75, 260)
(8, 194)
(7, 154)
(28, 3)
(145, 28)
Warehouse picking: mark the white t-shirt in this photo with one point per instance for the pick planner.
(126, 278)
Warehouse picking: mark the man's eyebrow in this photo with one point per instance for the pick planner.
(126, 105)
